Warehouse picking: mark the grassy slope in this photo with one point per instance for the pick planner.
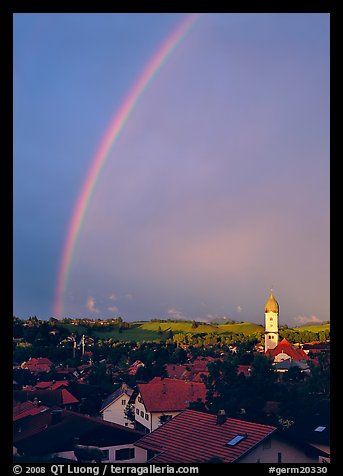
(149, 330)
(322, 327)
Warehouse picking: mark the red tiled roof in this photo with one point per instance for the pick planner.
(67, 397)
(198, 377)
(244, 369)
(194, 437)
(41, 435)
(169, 394)
(50, 398)
(201, 363)
(177, 371)
(190, 371)
(289, 349)
(53, 385)
(22, 410)
(41, 364)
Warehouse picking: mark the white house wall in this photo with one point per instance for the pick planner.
(289, 454)
(140, 454)
(153, 420)
(115, 412)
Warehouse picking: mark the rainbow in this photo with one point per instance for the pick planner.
(116, 126)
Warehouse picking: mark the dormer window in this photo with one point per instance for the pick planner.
(236, 439)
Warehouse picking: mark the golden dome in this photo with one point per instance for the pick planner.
(271, 305)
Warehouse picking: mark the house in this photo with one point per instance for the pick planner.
(132, 370)
(316, 347)
(181, 371)
(192, 371)
(52, 434)
(285, 365)
(25, 409)
(163, 398)
(115, 404)
(35, 366)
(60, 397)
(52, 385)
(197, 437)
(313, 430)
(285, 350)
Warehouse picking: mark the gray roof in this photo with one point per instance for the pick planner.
(115, 395)
(287, 364)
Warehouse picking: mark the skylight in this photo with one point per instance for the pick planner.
(234, 441)
(320, 428)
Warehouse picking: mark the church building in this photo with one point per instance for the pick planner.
(279, 351)
(271, 318)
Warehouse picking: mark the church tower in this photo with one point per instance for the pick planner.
(271, 319)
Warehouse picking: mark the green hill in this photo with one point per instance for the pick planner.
(155, 330)
(313, 328)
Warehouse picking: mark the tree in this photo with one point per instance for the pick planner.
(294, 374)
(129, 412)
(164, 418)
(225, 388)
(263, 377)
(319, 382)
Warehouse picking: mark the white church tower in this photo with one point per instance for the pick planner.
(271, 319)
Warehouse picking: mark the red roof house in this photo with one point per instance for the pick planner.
(162, 399)
(197, 437)
(60, 397)
(52, 433)
(53, 385)
(41, 364)
(25, 409)
(285, 350)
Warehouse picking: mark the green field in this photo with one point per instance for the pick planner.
(149, 331)
(315, 328)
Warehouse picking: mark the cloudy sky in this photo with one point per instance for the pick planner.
(217, 187)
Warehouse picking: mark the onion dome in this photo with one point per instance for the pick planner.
(271, 305)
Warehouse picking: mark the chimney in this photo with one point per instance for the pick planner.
(164, 388)
(56, 416)
(221, 417)
(36, 402)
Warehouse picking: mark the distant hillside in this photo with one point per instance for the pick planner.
(313, 327)
(155, 330)
(159, 330)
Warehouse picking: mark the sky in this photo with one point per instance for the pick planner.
(215, 190)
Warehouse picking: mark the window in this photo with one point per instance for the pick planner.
(142, 414)
(106, 455)
(267, 444)
(137, 411)
(320, 428)
(279, 457)
(139, 399)
(123, 402)
(234, 441)
(147, 416)
(125, 453)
